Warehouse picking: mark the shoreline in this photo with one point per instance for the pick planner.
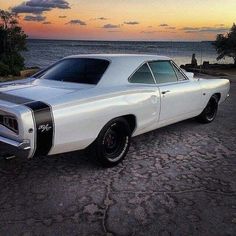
(23, 74)
(221, 73)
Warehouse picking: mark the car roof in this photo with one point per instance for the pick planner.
(110, 57)
(121, 66)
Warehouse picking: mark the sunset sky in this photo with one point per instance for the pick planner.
(175, 20)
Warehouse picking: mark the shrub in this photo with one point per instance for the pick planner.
(4, 69)
(12, 42)
(226, 44)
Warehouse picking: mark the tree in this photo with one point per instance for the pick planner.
(226, 44)
(12, 42)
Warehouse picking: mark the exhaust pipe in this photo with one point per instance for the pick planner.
(7, 156)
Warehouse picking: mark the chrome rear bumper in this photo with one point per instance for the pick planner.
(11, 147)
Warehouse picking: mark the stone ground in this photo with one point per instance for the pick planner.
(178, 180)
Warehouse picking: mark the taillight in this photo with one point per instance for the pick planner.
(9, 122)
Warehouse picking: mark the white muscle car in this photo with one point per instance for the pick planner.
(99, 102)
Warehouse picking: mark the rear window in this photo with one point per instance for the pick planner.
(76, 70)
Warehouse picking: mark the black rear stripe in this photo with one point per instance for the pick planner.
(14, 99)
(43, 119)
(44, 127)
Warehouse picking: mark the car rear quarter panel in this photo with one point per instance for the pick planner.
(79, 121)
(214, 86)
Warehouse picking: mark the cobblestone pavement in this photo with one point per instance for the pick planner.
(178, 180)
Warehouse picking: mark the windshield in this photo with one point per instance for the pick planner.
(76, 70)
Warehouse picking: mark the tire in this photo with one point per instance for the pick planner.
(112, 143)
(210, 111)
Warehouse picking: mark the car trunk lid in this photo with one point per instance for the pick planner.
(38, 90)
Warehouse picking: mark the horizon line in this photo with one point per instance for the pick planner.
(125, 40)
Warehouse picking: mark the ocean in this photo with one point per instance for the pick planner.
(42, 53)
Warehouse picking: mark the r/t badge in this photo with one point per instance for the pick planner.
(44, 128)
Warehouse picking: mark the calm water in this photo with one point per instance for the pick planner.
(44, 52)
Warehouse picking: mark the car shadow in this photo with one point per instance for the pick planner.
(78, 159)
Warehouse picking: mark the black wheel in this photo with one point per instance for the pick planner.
(112, 143)
(210, 111)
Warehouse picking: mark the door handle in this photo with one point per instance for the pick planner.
(166, 91)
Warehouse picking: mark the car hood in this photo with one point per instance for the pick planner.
(41, 89)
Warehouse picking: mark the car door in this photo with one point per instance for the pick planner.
(148, 98)
(180, 97)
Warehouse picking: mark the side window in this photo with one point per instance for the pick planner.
(180, 76)
(142, 75)
(163, 71)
